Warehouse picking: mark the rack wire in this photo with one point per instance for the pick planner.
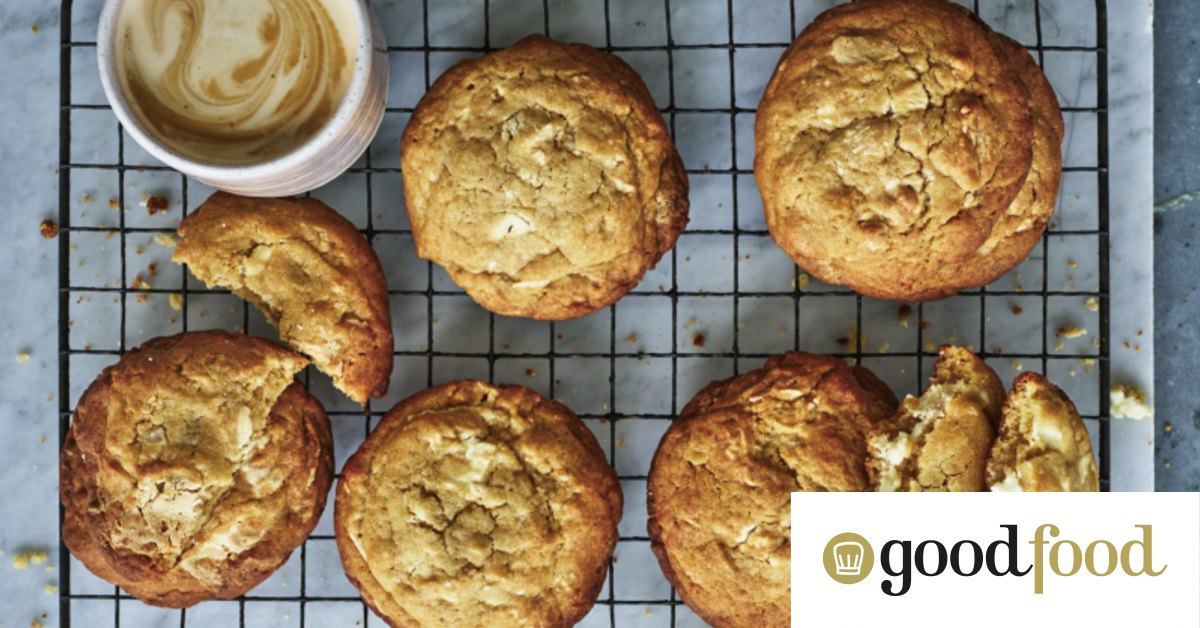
(712, 327)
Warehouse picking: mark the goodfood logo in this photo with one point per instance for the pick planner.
(849, 558)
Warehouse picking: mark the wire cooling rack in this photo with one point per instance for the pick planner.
(720, 303)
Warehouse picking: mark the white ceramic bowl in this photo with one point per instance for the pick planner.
(334, 148)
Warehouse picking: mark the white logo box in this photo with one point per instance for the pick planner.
(985, 600)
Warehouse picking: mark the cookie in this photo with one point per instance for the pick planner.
(193, 467)
(940, 440)
(720, 483)
(543, 179)
(477, 505)
(889, 141)
(309, 271)
(1021, 226)
(1043, 445)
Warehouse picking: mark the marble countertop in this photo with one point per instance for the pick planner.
(29, 402)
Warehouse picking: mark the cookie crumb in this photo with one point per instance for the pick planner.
(87, 198)
(1017, 310)
(1092, 304)
(36, 624)
(691, 322)
(1128, 402)
(114, 204)
(22, 560)
(23, 357)
(530, 372)
(49, 229)
(929, 346)
(926, 325)
(1167, 427)
(50, 589)
(902, 315)
(1016, 365)
(1070, 331)
(1072, 263)
(802, 281)
(854, 339)
(166, 239)
(156, 205)
(175, 300)
(632, 339)
(698, 340)
(33, 29)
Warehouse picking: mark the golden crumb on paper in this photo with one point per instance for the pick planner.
(1016, 365)
(1092, 304)
(87, 198)
(698, 341)
(1168, 426)
(1128, 402)
(1072, 263)
(802, 281)
(22, 560)
(22, 357)
(175, 300)
(49, 229)
(50, 589)
(691, 322)
(632, 339)
(166, 239)
(902, 315)
(1060, 345)
(114, 204)
(36, 624)
(33, 29)
(1016, 310)
(929, 346)
(883, 348)
(1070, 331)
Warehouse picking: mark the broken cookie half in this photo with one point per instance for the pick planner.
(1043, 445)
(311, 273)
(940, 440)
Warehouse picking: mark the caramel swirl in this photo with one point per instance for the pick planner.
(235, 81)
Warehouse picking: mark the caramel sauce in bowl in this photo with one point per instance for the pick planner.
(255, 97)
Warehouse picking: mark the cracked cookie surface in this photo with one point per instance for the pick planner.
(475, 505)
(193, 467)
(1021, 226)
(309, 271)
(940, 440)
(720, 484)
(890, 139)
(1043, 445)
(543, 179)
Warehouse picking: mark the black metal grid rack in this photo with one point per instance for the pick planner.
(316, 601)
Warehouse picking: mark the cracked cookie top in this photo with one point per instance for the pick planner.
(890, 139)
(543, 179)
(476, 505)
(193, 467)
(309, 271)
(720, 483)
(940, 440)
(1043, 445)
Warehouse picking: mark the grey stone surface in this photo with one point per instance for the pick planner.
(1176, 243)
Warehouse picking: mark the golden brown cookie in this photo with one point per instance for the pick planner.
(310, 272)
(478, 505)
(1021, 226)
(719, 486)
(940, 440)
(543, 179)
(890, 140)
(1043, 445)
(193, 467)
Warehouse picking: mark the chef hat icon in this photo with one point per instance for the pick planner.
(848, 558)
